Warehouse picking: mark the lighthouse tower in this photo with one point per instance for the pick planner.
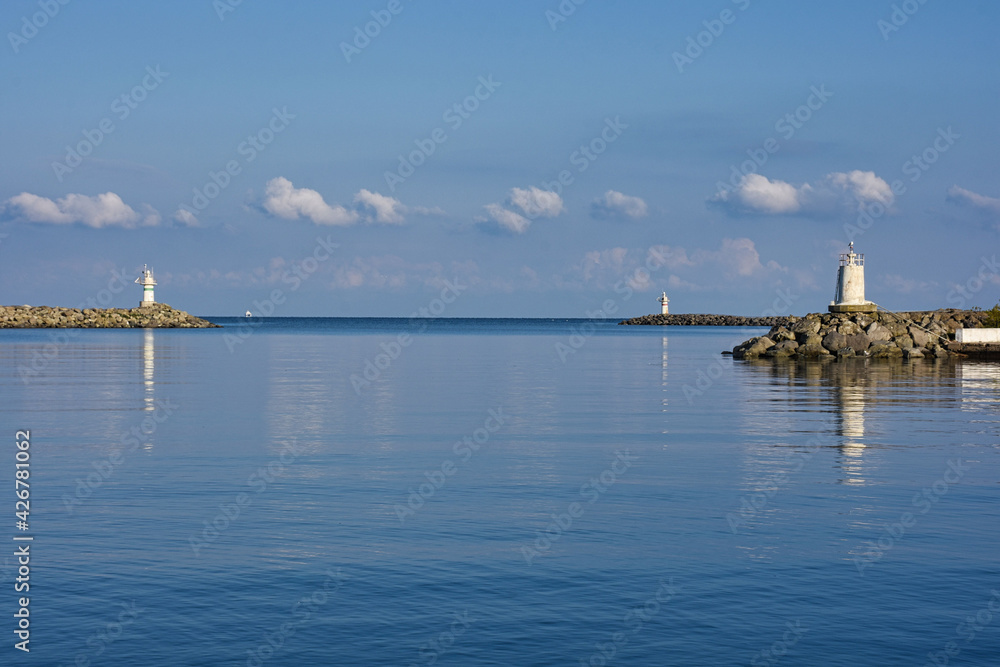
(147, 282)
(663, 304)
(850, 296)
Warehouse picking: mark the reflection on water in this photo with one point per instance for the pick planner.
(851, 428)
(980, 385)
(862, 406)
(148, 356)
(663, 377)
(856, 396)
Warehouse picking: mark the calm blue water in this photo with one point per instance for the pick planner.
(495, 492)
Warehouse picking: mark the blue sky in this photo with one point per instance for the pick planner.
(654, 134)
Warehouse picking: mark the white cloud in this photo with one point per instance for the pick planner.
(150, 216)
(963, 197)
(185, 217)
(617, 205)
(607, 263)
(508, 220)
(838, 192)
(864, 186)
(386, 209)
(736, 257)
(672, 257)
(736, 262)
(286, 201)
(532, 202)
(106, 210)
(536, 203)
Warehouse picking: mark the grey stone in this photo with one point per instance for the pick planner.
(903, 342)
(859, 341)
(812, 351)
(877, 332)
(896, 328)
(863, 320)
(884, 351)
(806, 326)
(833, 341)
(849, 328)
(921, 338)
(782, 334)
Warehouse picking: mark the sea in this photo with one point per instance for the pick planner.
(338, 491)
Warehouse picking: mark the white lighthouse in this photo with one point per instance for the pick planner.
(850, 296)
(147, 282)
(663, 304)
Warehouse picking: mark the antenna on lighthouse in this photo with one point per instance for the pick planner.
(663, 304)
(148, 283)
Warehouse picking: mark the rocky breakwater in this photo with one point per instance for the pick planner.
(880, 335)
(697, 320)
(159, 315)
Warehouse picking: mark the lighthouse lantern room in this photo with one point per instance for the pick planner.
(850, 296)
(147, 282)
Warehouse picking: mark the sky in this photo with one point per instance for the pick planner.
(511, 158)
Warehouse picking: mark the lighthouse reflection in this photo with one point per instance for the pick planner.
(663, 373)
(148, 357)
(850, 421)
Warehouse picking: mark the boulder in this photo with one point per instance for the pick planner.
(937, 351)
(935, 327)
(920, 337)
(849, 328)
(859, 341)
(753, 348)
(863, 320)
(877, 332)
(903, 342)
(811, 339)
(782, 353)
(781, 334)
(833, 341)
(786, 345)
(896, 328)
(845, 352)
(913, 353)
(812, 351)
(884, 351)
(808, 325)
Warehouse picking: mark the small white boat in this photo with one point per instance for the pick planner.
(249, 314)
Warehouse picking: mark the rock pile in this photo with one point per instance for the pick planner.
(697, 320)
(880, 335)
(159, 315)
